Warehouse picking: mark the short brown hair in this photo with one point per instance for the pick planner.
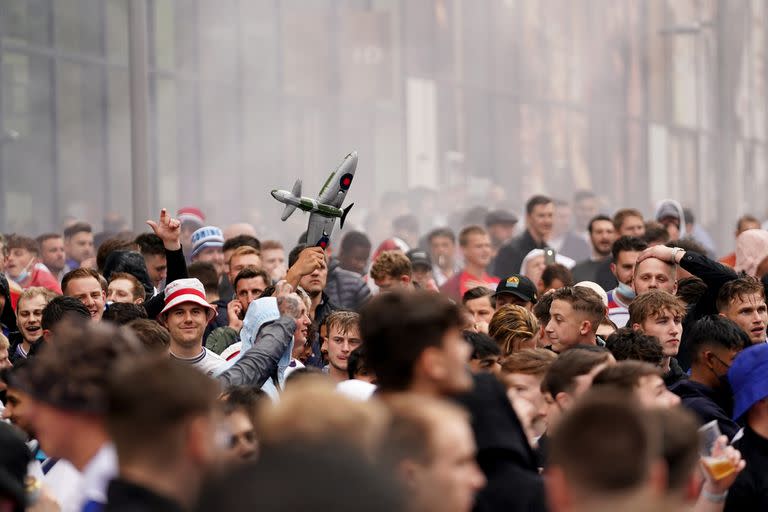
(625, 375)
(311, 410)
(743, 219)
(562, 373)
(72, 374)
(138, 288)
(242, 251)
(151, 334)
(541, 308)
(413, 421)
(267, 245)
(529, 361)
(111, 245)
(556, 271)
(680, 444)
(206, 273)
(511, 324)
(585, 300)
(15, 241)
(149, 401)
(652, 304)
(468, 231)
(47, 236)
(77, 227)
(79, 273)
(391, 264)
(590, 463)
(344, 320)
(36, 291)
(620, 216)
(738, 289)
(251, 272)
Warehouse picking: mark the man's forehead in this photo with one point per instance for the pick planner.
(351, 331)
(748, 299)
(85, 282)
(560, 305)
(665, 313)
(654, 265)
(250, 282)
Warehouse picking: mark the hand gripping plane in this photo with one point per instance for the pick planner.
(327, 207)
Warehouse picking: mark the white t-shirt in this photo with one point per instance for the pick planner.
(207, 362)
(96, 476)
(618, 312)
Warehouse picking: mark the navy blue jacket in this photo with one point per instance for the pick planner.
(708, 404)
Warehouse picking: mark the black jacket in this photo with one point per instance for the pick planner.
(708, 404)
(675, 373)
(7, 316)
(346, 289)
(714, 275)
(503, 452)
(177, 269)
(750, 491)
(132, 263)
(511, 256)
(124, 496)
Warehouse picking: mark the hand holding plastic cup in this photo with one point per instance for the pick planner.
(713, 456)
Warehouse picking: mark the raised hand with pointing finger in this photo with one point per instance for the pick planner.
(168, 229)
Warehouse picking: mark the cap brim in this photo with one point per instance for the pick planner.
(517, 294)
(181, 299)
(207, 245)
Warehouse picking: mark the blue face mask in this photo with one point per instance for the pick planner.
(626, 291)
(24, 274)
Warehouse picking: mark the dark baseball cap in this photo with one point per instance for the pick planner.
(519, 286)
(419, 258)
(500, 217)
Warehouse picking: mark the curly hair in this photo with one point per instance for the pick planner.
(391, 264)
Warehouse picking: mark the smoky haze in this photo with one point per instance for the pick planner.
(481, 102)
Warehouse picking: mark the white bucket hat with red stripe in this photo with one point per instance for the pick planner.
(185, 290)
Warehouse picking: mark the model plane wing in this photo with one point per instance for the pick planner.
(319, 230)
(336, 186)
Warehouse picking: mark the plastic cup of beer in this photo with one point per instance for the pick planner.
(713, 452)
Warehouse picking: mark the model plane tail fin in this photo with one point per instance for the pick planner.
(344, 215)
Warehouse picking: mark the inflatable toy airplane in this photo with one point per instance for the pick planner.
(327, 207)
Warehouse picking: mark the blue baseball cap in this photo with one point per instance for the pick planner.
(747, 376)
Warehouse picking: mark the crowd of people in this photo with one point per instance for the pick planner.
(572, 361)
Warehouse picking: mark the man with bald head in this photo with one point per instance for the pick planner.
(238, 229)
(654, 274)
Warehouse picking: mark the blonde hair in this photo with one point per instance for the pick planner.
(529, 361)
(242, 251)
(510, 326)
(311, 410)
(36, 291)
(4, 343)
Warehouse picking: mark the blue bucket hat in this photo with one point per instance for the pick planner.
(209, 236)
(748, 376)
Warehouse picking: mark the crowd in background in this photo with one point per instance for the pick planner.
(564, 359)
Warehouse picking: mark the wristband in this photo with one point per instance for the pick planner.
(675, 250)
(714, 498)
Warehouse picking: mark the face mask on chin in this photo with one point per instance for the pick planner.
(626, 291)
(24, 274)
